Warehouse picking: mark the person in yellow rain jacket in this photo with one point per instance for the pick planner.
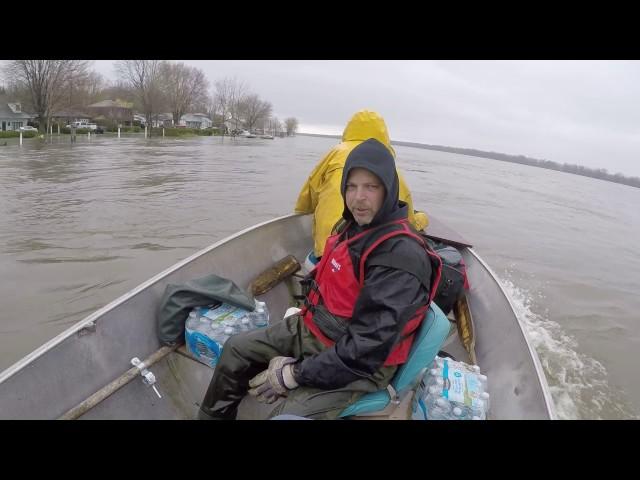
(321, 195)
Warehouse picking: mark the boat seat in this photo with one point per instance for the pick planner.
(430, 337)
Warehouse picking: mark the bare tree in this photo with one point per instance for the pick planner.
(184, 88)
(204, 104)
(254, 110)
(143, 76)
(93, 86)
(84, 91)
(221, 100)
(274, 126)
(237, 94)
(227, 99)
(291, 124)
(118, 90)
(45, 80)
(210, 108)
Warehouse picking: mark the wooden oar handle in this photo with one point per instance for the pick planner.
(268, 279)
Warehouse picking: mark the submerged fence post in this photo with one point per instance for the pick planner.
(118, 131)
(145, 131)
(162, 132)
(88, 135)
(20, 137)
(58, 129)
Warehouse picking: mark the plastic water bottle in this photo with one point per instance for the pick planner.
(438, 408)
(435, 372)
(245, 324)
(195, 323)
(199, 339)
(436, 381)
(451, 390)
(260, 316)
(438, 362)
(224, 334)
(473, 368)
(192, 320)
(483, 382)
(480, 407)
(203, 325)
(459, 413)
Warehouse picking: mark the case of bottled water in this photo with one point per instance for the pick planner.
(208, 328)
(451, 390)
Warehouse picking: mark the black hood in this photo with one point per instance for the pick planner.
(375, 157)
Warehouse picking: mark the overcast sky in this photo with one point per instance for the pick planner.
(583, 112)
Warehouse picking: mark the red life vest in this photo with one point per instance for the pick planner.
(336, 284)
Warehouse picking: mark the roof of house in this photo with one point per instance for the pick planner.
(194, 117)
(7, 112)
(110, 104)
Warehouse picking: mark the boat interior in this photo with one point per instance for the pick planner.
(182, 380)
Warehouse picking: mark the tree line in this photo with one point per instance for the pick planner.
(599, 173)
(151, 87)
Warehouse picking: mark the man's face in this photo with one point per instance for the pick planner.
(364, 195)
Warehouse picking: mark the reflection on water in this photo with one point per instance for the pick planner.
(82, 224)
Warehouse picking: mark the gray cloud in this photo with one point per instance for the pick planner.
(583, 112)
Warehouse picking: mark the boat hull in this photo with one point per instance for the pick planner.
(98, 350)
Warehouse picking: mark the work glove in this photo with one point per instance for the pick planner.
(275, 381)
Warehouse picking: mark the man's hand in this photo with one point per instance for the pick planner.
(275, 381)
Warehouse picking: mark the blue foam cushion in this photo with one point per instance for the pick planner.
(431, 335)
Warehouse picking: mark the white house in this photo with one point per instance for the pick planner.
(196, 120)
(163, 120)
(158, 120)
(12, 117)
(139, 118)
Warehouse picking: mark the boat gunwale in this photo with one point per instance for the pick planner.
(544, 386)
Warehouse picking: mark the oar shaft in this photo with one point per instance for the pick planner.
(106, 391)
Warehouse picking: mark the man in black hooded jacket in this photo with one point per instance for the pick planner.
(366, 300)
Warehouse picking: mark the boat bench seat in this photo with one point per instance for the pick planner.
(395, 402)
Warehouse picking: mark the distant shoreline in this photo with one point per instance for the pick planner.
(600, 174)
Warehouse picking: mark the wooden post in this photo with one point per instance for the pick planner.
(145, 131)
(58, 129)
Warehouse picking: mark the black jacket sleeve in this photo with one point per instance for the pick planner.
(388, 299)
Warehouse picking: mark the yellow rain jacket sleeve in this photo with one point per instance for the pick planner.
(321, 195)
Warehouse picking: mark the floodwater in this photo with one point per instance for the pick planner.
(83, 223)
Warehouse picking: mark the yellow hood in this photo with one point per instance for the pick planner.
(366, 124)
